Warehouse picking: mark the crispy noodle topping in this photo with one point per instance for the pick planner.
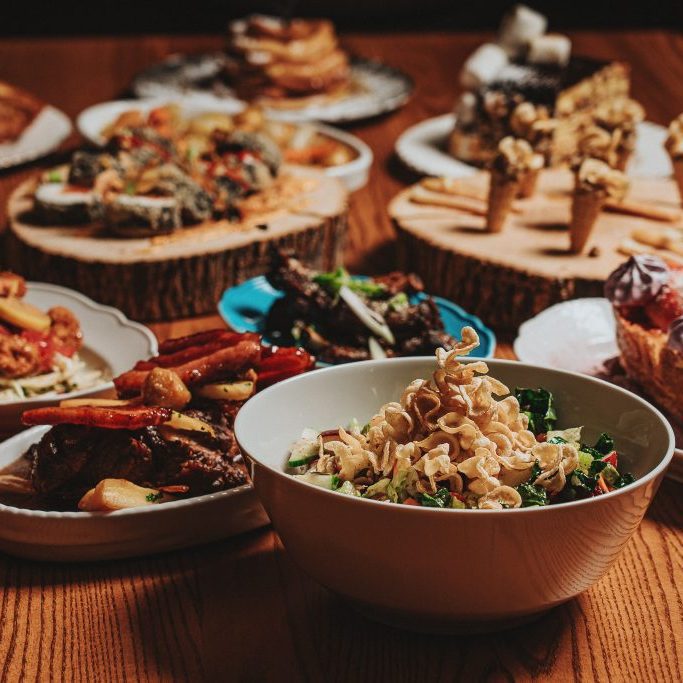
(448, 432)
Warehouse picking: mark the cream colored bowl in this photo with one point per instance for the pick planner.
(433, 569)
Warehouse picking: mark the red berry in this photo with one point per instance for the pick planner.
(665, 308)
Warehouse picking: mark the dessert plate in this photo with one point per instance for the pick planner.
(245, 306)
(377, 88)
(44, 135)
(112, 344)
(423, 149)
(578, 335)
(93, 120)
(86, 536)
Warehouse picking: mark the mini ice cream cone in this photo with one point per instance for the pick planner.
(677, 163)
(514, 161)
(502, 193)
(595, 183)
(674, 146)
(586, 207)
(528, 182)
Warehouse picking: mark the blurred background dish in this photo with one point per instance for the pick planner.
(111, 344)
(245, 309)
(377, 88)
(341, 154)
(423, 148)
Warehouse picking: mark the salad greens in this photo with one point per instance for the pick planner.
(336, 279)
(537, 405)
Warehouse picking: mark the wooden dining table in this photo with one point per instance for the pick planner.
(240, 609)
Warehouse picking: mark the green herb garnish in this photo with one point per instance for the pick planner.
(54, 176)
(336, 279)
(440, 499)
(398, 301)
(537, 405)
(154, 497)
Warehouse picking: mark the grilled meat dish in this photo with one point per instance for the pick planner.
(313, 313)
(172, 425)
(71, 459)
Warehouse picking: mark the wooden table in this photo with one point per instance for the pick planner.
(239, 609)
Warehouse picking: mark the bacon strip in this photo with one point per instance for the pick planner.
(135, 417)
(172, 360)
(197, 339)
(279, 363)
(232, 359)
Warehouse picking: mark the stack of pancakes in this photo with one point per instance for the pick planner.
(279, 60)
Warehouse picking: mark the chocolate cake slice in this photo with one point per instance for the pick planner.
(564, 98)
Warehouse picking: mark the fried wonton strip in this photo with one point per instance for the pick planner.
(106, 418)
(205, 369)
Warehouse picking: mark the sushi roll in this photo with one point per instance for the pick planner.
(63, 204)
(142, 215)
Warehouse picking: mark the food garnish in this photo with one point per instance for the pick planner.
(460, 440)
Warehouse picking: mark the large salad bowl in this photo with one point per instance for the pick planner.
(448, 569)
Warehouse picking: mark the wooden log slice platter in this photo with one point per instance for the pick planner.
(185, 273)
(507, 277)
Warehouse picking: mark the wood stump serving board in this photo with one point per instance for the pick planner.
(507, 277)
(183, 274)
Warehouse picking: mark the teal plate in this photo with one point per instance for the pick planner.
(244, 309)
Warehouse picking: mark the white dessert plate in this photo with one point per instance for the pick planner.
(112, 343)
(86, 536)
(577, 335)
(45, 134)
(423, 149)
(378, 88)
(93, 120)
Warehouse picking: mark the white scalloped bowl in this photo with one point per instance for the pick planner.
(87, 536)
(110, 342)
(444, 570)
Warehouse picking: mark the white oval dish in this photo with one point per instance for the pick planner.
(577, 335)
(111, 342)
(44, 135)
(377, 88)
(93, 120)
(86, 536)
(442, 570)
(423, 149)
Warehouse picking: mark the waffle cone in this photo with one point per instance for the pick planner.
(677, 163)
(586, 207)
(502, 193)
(647, 359)
(527, 185)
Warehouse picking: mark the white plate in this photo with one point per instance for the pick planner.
(578, 335)
(380, 88)
(93, 120)
(111, 342)
(423, 149)
(46, 132)
(85, 536)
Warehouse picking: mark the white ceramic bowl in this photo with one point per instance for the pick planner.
(93, 120)
(85, 536)
(111, 343)
(434, 569)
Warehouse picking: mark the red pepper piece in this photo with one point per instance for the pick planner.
(135, 417)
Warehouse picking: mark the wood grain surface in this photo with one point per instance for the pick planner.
(239, 610)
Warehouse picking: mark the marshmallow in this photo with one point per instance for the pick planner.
(519, 27)
(552, 49)
(466, 109)
(482, 66)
